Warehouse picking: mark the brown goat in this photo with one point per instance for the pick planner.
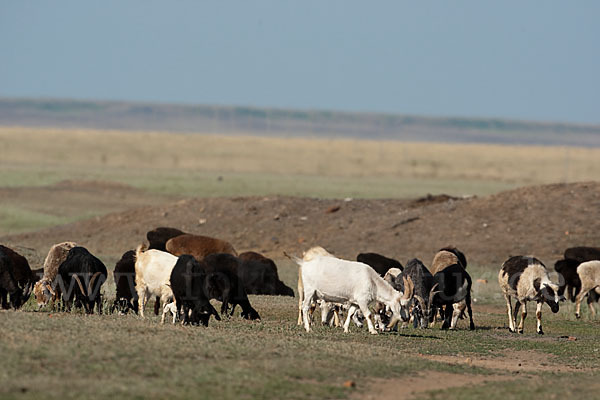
(45, 289)
(198, 246)
(443, 259)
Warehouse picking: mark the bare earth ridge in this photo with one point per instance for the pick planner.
(538, 220)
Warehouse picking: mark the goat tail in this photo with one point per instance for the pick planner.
(139, 250)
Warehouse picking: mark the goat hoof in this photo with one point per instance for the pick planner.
(540, 332)
(577, 315)
(521, 331)
(472, 327)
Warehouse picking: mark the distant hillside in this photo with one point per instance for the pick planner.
(279, 122)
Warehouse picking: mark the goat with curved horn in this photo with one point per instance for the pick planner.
(78, 264)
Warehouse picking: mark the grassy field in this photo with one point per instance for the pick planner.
(59, 355)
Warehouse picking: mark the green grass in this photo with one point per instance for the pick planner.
(59, 355)
(17, 219)
(216, 184)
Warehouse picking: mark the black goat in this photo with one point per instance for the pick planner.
(423, 282)
(158, 237)
(582, 253)
(38, 274)
(450, 286)
(124, 274)
(8, 283)
(260, 276)
(381, 264)
(188, 283)
(81, 277)
(16, 278)
(224, 284)
(567, 268)
(570, 282)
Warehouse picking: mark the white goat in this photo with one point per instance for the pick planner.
(340, 281)
(153, 276)
(169, 308)
(316, 251)
(589, 274)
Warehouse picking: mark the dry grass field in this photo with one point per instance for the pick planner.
(119, 184)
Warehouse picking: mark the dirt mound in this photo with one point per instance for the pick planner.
(540, 220)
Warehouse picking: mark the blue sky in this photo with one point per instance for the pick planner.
(510, 59)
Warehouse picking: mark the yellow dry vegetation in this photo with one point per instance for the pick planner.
(296, 156)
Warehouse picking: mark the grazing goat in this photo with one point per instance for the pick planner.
(526, 279)
(170, 308)
(589, 274)
(381, 264)
(391, 275)
(308, 255)
(224, 284)
(569, 282)
(16, 278)
(157, 238)
(198, 246)
(124, 275)
(582, 253)
(81, 276)
(442, 259)
(567, 268)
(152, 276)
(260, 276)
(452, 286)
(188, 283)
(340, 281)
(47, 289)
(422, 292)
(459, 254)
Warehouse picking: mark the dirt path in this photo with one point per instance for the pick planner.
(411, 386)
(509, 365)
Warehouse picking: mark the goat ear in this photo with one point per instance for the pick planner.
(537, 284)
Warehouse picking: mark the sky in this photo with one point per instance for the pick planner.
(527, 60)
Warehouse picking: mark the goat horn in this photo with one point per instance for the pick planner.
(433, 292)
(409, 287)
(79, 283)
(421, 300)
(91, 285)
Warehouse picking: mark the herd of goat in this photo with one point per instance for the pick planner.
(183, 272)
